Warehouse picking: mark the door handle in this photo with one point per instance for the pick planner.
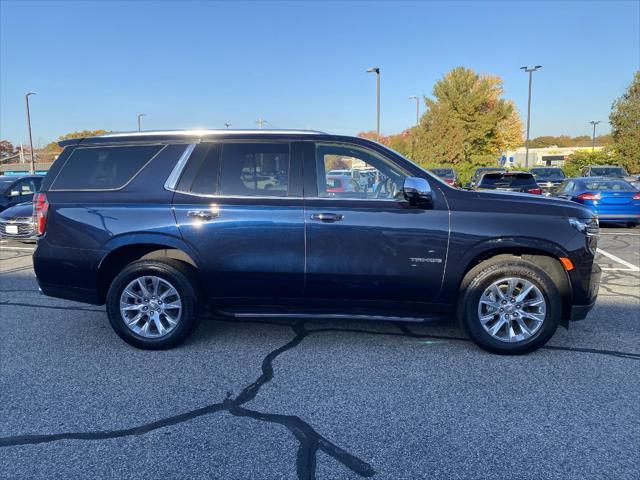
(327, 217)
(202, 214)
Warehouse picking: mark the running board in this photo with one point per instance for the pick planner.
(331, 316)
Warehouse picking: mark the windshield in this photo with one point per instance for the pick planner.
(443, 172)
(4, 184)
(548, 173)
(618, 185)
(507, 180)
(608, 172)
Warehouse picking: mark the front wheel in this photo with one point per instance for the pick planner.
(153, 304)
(510, 306)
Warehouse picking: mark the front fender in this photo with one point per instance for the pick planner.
(463, 257)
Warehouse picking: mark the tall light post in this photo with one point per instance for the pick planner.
(32, 167)
(261, 122)
(417, 99)
(530, 72)
(140, 115)
(593, 139)
(376, 70)
(227, 125)
(413, 137)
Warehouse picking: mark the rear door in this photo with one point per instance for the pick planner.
(239, 204)
(369, 244)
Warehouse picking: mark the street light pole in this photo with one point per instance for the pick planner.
(593, 141)
(376, 70)
(140, 115)
(32, 167)
(261, 122)
(417, 99)
(530, 72)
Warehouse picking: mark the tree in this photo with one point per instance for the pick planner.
(467, 116)
(581, 158)
(625, 126)
(6, 148)
(53, 147)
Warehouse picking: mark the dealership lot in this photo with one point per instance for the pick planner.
(333, 400)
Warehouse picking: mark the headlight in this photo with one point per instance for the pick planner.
(588, 226)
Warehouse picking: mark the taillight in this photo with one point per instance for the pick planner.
(636, 196)
(449, 181)
(588, 196)
(40, 209)
(535, 191)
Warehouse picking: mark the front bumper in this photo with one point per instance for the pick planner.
(579, 311)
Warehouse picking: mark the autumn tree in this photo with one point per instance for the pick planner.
(6, 148)
(625, 126)
(466, 117)
(53, 147)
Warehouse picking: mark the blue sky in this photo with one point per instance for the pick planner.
(302, 65)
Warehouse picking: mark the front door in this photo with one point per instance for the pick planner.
(366, 242)
(239, 205)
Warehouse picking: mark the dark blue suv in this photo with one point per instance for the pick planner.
(159, 224)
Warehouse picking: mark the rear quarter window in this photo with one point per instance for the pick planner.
(103, 168)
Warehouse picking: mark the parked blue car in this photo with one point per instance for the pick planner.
(613, 200)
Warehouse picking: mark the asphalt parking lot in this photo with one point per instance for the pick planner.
(326, 400)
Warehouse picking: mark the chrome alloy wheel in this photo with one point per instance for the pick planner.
(512, 309)
(150, 306)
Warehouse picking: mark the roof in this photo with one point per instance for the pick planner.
(193, 133)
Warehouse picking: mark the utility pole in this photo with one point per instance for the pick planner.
(261, 122)
(530, 72)
(32, 167)
(593, 139)
(140, 115)
(227, 125)
(376, 70)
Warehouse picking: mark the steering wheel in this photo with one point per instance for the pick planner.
(386, 187)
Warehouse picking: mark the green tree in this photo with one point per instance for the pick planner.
(581, 158)
(53, 147)
(467, 116)
(625, 126)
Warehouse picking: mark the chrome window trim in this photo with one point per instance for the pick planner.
(53, 183)
(174, 176)
(241, 197)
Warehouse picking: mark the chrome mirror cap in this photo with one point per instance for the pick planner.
(417, 190)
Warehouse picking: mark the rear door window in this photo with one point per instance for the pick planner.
(103, 168)
(255, 169)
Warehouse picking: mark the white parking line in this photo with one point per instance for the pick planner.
(621, 233)
(630, 266)
(2, 247)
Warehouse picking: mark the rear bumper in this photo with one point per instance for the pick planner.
(76, 294)
(618, 217)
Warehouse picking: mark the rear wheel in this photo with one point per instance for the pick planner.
(153, 304)
(509, 306)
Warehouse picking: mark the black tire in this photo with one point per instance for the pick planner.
(479, 278)
(182, 277)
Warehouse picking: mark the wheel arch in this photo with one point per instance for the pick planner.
(126, 250)
(545, 255)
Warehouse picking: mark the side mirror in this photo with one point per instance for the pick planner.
(417, 191)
